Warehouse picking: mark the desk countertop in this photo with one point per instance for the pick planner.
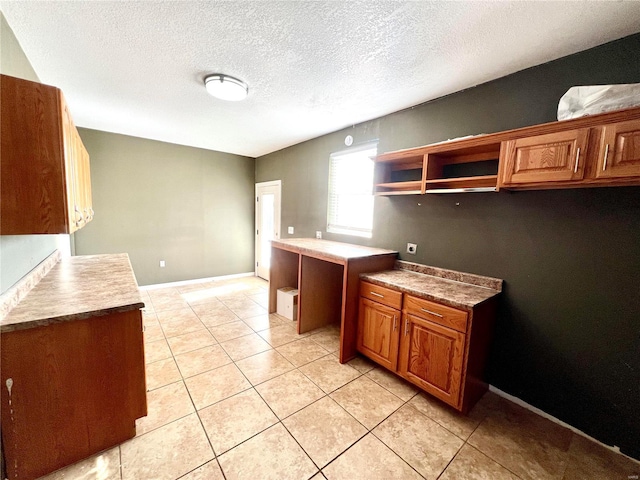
(326, 248)
(77, 288)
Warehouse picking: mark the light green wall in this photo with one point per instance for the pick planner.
(19, 253)
(157, 201)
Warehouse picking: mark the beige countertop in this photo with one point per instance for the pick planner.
(329, 249)
(455, 289)
(77, 288)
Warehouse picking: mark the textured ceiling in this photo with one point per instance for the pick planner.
(312, 67)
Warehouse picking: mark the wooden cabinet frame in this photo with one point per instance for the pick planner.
(440, 349)
(619, 130)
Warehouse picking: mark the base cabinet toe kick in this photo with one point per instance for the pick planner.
(437, 347)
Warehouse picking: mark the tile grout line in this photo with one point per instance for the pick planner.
(215, 456)
(297, 368)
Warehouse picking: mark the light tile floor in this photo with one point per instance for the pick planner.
(235, 393)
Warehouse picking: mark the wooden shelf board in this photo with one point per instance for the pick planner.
(399, 192)
(464, 182)
(410, 185)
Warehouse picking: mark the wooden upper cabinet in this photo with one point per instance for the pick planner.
(554, 157)
(44, 169)
(619, 154)
(432, 357)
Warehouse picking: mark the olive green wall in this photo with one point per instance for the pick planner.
(19, 254)
(568, 333)
(157, 201)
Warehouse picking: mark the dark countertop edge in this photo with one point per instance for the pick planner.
(426, 295)
(41, 322)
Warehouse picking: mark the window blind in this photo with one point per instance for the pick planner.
(350, 201)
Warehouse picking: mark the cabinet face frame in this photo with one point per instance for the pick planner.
(378, 332)
(427, 346)
(554, 157)
(619, 153)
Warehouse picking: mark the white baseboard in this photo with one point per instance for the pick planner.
(537, 411)
(182, 283)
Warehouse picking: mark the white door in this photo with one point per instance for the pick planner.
(267, 224)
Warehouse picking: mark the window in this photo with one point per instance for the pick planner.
(350, 208)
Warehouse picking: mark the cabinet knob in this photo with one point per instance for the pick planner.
(79, 216)
(606, 155)
(376, 294)
(575, 168)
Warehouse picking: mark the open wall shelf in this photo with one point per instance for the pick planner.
(591, 151)
(439, 168)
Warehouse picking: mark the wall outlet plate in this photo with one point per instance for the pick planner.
(412, 248)
(162, 264)
(318, 234)
(290, 230)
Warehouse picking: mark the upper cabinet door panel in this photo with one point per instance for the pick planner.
(555, 157)
(619, 154)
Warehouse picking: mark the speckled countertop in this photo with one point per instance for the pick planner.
(77, 288)
(326, 248)
(455, 289)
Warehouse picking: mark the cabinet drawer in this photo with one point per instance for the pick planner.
(383, 295)
(440, 314)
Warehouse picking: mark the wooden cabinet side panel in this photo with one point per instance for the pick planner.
(479, 341)
(320, 293)
(283, 273)
(78, 387)
(32, 179)
(378, 327)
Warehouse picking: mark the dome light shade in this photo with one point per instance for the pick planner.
(225, 87)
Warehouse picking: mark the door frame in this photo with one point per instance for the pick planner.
(277, 216)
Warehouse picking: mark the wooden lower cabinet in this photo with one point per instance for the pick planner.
(378, 332)
(70, 390)
(436, 347)
(431, 357)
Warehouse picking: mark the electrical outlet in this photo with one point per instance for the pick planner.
(290, 230)
(412, 248)
(162, 264)
(318, 234)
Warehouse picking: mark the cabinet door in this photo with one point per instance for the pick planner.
(378, 333)
(619, 154)
(555, 157)
(431, 356)
(70, 167)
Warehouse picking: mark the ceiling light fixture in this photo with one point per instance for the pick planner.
(225, 87)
